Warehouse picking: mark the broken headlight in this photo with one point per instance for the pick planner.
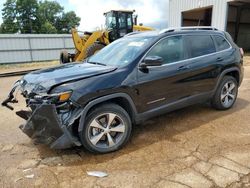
(56, 97)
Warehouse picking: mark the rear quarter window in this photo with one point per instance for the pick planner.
(200, 45)
(221, 43)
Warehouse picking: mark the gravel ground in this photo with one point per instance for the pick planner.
(193, 147)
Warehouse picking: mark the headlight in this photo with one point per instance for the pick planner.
(57, 97)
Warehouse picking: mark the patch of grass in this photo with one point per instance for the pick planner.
(27, 66)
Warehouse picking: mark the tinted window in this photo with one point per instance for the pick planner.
(170, 49)
(200, 45)
(221, 43)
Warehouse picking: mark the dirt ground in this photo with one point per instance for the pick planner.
(193, 147)
(7, 68)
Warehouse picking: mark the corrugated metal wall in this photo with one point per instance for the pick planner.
(31, 48)
(176, 7)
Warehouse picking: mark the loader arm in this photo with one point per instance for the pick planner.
(142, 28)
(85, 45)
(77, 40)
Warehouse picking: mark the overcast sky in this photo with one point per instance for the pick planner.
(152, 13)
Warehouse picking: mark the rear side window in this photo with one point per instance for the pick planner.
(170, 49)
(221, 43)
(200, 45)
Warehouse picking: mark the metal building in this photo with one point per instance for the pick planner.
(229, 15)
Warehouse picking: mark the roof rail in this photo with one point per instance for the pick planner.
(132, 33)
(188, 28)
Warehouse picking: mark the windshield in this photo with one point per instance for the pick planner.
(121, 52)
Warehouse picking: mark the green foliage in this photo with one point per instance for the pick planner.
(27, 15)
(49, 11)
(67, 21)
(9, 24)
(48, 28)
(31, 16)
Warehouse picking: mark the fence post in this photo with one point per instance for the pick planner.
(30, 50)
(64, 42)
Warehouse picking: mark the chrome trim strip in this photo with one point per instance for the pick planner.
(155, 101)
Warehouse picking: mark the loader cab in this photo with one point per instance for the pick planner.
(119, 23)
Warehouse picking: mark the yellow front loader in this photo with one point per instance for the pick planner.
(118, 24)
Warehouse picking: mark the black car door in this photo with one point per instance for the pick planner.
(159, 85)
(203, 63)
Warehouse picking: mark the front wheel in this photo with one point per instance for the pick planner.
(107, 128)
(226, 93)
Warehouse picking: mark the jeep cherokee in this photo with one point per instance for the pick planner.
(94, 104)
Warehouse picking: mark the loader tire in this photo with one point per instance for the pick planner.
(93, 49)
(64, 57)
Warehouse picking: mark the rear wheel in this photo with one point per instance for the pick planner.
(64, 57)
(94, 49)
(107, 129)
(226, 93)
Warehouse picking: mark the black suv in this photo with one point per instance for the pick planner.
(142, 75)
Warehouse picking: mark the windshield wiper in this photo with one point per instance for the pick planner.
(97, 63)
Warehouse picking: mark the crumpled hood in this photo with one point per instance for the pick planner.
(46, 78)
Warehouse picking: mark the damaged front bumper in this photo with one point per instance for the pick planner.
(45, 124)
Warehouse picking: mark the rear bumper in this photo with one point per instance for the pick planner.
(45, 127)
(241, 75)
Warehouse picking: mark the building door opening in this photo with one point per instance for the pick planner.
(197, 17)
(238, 23)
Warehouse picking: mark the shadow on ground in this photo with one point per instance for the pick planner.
(164, 127)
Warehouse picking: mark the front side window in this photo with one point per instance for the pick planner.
(110, 20)
(221, 43)
(170, 49)
(200, 45)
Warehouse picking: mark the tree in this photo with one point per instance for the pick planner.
(26, 12)
(48, 28)
(9, 24)
(48, 12)
(68, 21)
(29, 16)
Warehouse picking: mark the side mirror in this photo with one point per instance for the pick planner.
(151, 61)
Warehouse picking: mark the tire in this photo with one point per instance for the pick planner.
(103, 139)
(64, 57)
(93, 49)
(226, 94)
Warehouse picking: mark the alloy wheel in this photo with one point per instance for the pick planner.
(106, 130)
(228, 94)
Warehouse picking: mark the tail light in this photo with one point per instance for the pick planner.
(242, 52)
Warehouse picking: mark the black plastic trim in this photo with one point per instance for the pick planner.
(101, 100)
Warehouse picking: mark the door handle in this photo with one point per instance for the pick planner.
(182, 68)
(220, 59)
